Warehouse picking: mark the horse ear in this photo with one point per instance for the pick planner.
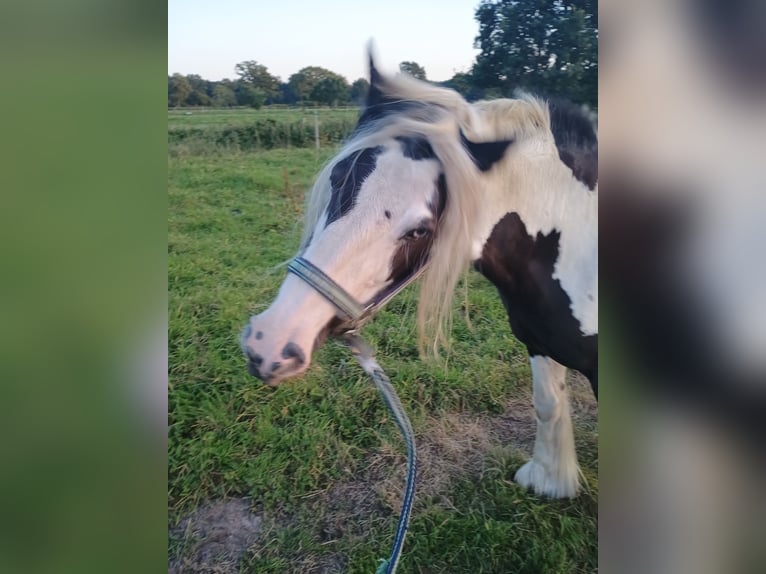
(378, 103)
(485, 154)
(375, 94)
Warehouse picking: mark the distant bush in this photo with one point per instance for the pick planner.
(262, 134)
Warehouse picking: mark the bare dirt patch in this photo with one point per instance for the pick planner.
(215, 537)
(450, 447)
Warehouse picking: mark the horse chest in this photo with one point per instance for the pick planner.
(522, 267)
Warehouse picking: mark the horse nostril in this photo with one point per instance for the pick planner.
(293, 351)
(253, 370)
(267, 373)
(254, 357)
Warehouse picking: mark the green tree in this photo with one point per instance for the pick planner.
(224, 96)
(247, 95)
(179, 89)
(258, 77)
(548, 46)
(358, 91)
(302, 82)
(201, 91)
(413, 69)
(463, 83)
(198, 99)
(286, 94)
(330, 91)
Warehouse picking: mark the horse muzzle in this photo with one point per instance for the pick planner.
(269, 363)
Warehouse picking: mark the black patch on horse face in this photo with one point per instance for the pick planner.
(346, 180)
(416, 148)
(522, 267)
(485, 154)
(576, 141)
(412, 253)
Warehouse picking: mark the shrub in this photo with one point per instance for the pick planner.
(262, 134)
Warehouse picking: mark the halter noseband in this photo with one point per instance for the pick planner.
(354, 312)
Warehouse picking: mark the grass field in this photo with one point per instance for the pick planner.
(308, 477)
(178, 117)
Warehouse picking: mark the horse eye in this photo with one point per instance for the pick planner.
(418, 233)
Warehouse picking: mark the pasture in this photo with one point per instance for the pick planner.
(204, 131)
(308, 477)
(178, 117)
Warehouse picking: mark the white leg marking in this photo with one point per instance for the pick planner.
(553, 470)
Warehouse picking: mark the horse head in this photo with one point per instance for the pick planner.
(371, 220)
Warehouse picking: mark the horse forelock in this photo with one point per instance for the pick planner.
(437, 115)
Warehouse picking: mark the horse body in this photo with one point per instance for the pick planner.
(508, 186)
(536, 241)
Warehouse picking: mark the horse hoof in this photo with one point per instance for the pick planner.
(562, 484)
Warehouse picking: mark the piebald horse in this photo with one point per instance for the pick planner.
(430, 184)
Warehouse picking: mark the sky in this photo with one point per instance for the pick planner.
(209, 37)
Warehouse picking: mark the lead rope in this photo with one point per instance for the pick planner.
(366, 357)
(356, 316)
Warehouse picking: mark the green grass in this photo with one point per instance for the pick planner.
(290, 451)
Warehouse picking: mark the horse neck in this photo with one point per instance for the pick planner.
(535, 184)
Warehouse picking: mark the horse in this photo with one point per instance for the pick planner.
(428, 185)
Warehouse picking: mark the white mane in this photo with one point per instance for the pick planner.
(439, 115)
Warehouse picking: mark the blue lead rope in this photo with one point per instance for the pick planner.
(355, 315)
(365, 355)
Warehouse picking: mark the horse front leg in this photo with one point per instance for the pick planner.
(553, 470)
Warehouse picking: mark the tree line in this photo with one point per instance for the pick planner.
(548, 47)
(255, 86)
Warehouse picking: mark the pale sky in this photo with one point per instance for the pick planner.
(208, 37)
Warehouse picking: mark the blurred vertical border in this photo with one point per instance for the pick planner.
(83, 286)
(682, 88)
